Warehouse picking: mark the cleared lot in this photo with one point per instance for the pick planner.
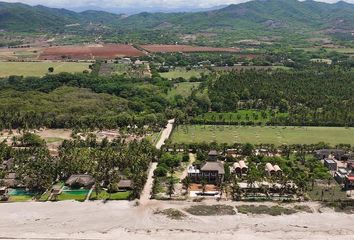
(39, 69)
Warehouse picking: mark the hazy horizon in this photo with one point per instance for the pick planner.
(134, 6)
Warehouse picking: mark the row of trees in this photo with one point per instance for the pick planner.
(312, 96)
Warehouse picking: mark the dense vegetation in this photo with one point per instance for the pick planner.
(106, 161)
(81, 101)
(289, 20)
(312, 96)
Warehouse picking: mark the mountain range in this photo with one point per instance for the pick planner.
(262, 15)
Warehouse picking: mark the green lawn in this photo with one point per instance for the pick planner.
(39, 69)
(184, 89)
(258, 135)
(71, 196)
(104, 195)
(20, 198)
(183, 73)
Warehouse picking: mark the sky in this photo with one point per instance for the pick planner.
(139, 4)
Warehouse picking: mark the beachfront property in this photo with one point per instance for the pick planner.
(80, 181)
(212, 172)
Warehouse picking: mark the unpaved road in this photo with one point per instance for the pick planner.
(146, 193)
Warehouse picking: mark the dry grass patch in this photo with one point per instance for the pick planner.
(266, 210)
(213, 210)
(171, 213)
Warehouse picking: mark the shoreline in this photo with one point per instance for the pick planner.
(98, 220)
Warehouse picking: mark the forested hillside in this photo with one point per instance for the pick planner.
(251, 19)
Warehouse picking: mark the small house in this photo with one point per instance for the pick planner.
(330, 164)
(11, 180)
(326, 153)
(4, 194)
(340, 175)
(240, 168)
(349, 182)
(278, 170)
(80, 180)
(213, 155)
(125, 185)
(270, 169)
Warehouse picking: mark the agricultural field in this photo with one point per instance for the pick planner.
(184, 89)
(158, 48)
(258, 135)
(38, 69)
(183, 73)
(129, 70)
(239, 116)
(87, 52)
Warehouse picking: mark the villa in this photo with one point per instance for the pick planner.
(212, 172)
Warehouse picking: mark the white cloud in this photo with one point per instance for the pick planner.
(136, 3)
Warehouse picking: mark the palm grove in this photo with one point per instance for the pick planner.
(106, 161)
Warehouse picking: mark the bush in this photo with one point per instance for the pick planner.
(160, 172)
(185, 158)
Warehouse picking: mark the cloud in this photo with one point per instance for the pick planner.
(106, 4)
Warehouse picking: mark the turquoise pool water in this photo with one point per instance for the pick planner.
(20, 192)
(81, 191)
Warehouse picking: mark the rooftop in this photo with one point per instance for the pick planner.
(213, 166)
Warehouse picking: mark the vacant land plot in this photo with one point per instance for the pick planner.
(39, 69)
(258, 135)
(108, 51)
(184, 89)
(183, 73)
(154, 48)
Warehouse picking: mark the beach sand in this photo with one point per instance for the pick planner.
(124, 220)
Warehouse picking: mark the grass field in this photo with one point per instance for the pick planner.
(39, 69)
(184, 89)
(183, 73)
(258, 135)
(104, 195)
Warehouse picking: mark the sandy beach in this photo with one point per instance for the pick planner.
(97, 220)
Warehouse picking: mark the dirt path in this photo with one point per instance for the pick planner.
(191, 161)
(146, 193)
(166, 133)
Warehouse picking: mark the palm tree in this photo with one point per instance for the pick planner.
(203, 182)
(187, 183)
(171, 187)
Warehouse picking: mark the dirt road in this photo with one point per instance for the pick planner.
(146, 193)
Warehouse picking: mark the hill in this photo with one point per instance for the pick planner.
(245, 20)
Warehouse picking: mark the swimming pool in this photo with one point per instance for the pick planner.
(20, 192)
(80, 191)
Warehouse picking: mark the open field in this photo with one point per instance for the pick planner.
(184, 89)
(39, 69)
(183, 73)
(154, 48)
(107, 51)
(258, 135)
